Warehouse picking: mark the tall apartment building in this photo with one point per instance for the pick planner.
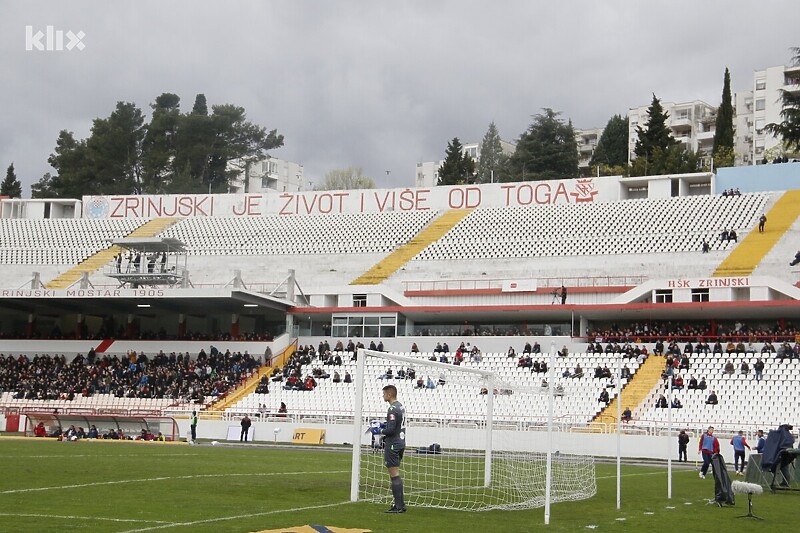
(428, 172)
(270, 175)
(587, 143)
(759, 106)
(691, 123)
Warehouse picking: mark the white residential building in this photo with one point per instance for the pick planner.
(759, 106)
(587, 143)
(270, 175)
(691, 123)
(428, 172)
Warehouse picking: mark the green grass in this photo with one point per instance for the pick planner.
(129, 486)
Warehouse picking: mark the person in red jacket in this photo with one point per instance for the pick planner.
(40, 430)
(708, 446)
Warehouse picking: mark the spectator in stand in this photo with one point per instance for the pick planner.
(627, 416)
(347, 377)
(578, 372)
(701, 385)
(708, 446)
(536, 347)
(283, 410)
(683, 442)
(604, 397)
(336, 377)
(527, 348)
(414, 348)
(744, 368)
(659, 347)
(768, 348)
(692, 383)
(717, 348)
(758, 367)
(626, 372)
(511, 352)
(676, 403)
(705, 247)
(661, 402)
(685, 364)
(739, 443)
(677, 383)
(712, 399)
(729, 368)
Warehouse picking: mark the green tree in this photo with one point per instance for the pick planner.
(458, 168)
(789, 128)
(236, 141)
(44, 188)
(547, 150)
(11, 186)
(115, 151)
(655, 135)
(675, 159)
(612, 147)
(723, 135)
(200, 106)
(346, 179)
(492, 159)
(158, 147)
(72, 162)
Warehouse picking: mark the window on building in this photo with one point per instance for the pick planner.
(760, 104)
(760, 126)
(699, 295)
(663, 296)
(359, 300)
(761, 85)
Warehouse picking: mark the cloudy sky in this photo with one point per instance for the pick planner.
(381, 85)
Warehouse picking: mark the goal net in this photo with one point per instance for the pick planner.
(469, 445)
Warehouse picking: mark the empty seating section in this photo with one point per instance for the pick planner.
(579, 403)
(742, 400)
(58, 241)
(664, 225)
(300, 235)
(96, 401)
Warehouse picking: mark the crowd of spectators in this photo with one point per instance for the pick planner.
(176, 376)
(668, 331)
(105, 332)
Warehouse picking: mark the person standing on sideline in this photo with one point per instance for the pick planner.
(708, 446)
(394, 445)
(739, 444)
(761, 221)
(245, 428)
(193, 425)
(683, 441)
(762, 441)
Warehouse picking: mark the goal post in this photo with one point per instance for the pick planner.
(468, 443)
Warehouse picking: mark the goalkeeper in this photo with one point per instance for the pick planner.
(394, 442)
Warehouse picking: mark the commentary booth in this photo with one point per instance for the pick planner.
(149, 262)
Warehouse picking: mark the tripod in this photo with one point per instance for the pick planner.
(750, 508)
(556, 296)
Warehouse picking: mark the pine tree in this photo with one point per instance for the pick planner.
(612, 147)
(547, 150)
(657, 134)
(723, 136)
(492, 158)
(458, 167)
(11, 186)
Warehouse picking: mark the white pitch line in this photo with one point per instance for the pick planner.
(167, 478)
(94, 456)
(69, 517)
(237, 517)
(645, 474)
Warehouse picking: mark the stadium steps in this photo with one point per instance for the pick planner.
(394, 261)
(755, 246)
(103, 257)
(637, 390)
(250, 384)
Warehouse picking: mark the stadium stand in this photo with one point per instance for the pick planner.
(478, 260)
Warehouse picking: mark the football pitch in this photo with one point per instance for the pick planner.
(120, 487)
